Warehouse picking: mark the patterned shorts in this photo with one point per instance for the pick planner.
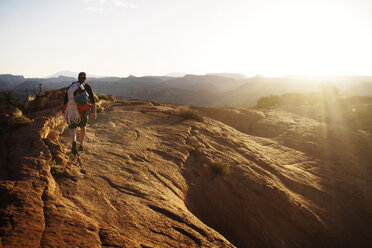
(83, 122)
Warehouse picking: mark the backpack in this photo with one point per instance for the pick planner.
(81, 98)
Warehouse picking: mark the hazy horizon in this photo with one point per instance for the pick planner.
(68, 73)
(139, 37)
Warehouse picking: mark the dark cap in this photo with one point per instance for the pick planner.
(82, 76)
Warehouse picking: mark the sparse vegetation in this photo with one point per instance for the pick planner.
(39, 103)
(56, 169)
(221, 167)
(190, 114)
(106, 97)
(18, 121)
(39, 98)
(8, 101)
(326, 106)
(100, 109)
(327, 93)
(269, 101)
(11, 115)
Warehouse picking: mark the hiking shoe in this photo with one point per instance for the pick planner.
(81, 148)
(73, 148)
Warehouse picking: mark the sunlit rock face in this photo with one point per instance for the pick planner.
(156, 175)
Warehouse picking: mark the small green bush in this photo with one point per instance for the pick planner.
(100, 109)
(191, 115)
(221, 167)
(56, 169)
(106, 97)
(18, 121)
(268, 101)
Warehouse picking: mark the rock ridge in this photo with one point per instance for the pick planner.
(146, 179)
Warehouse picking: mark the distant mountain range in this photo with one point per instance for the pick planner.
(72, 74)
(229, 75)
(175, 74)
(204, 90)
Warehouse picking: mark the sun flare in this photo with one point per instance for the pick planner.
(317, 38)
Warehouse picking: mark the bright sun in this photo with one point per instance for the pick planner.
(316, 38)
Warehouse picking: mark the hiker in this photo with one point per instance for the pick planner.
(76, 109)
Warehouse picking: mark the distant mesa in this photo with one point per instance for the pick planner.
(8, 81)
(229, 75)
(64, 74)
(73, 74)
(175, 74)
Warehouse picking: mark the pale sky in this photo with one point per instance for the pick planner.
(155, 37)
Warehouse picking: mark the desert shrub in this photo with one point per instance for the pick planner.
(56, 169)
(268, 101)
(100, 109)
(293, 99)
(46, 100)
(221, 167)
(38, 103)
(18, 121)
(106, 97)
(8, 101)
(96, 98)
(16, 112)
(191, 115)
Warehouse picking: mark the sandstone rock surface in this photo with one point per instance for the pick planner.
(146, 179)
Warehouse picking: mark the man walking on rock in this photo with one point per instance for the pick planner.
(76, 109)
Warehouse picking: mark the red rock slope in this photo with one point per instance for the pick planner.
(147, 179)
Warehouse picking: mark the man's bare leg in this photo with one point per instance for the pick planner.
(82, 136)
(73, 138)
(73, 134)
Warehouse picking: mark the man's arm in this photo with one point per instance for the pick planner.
(66, 99)
(94, 116)
(92, 100)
